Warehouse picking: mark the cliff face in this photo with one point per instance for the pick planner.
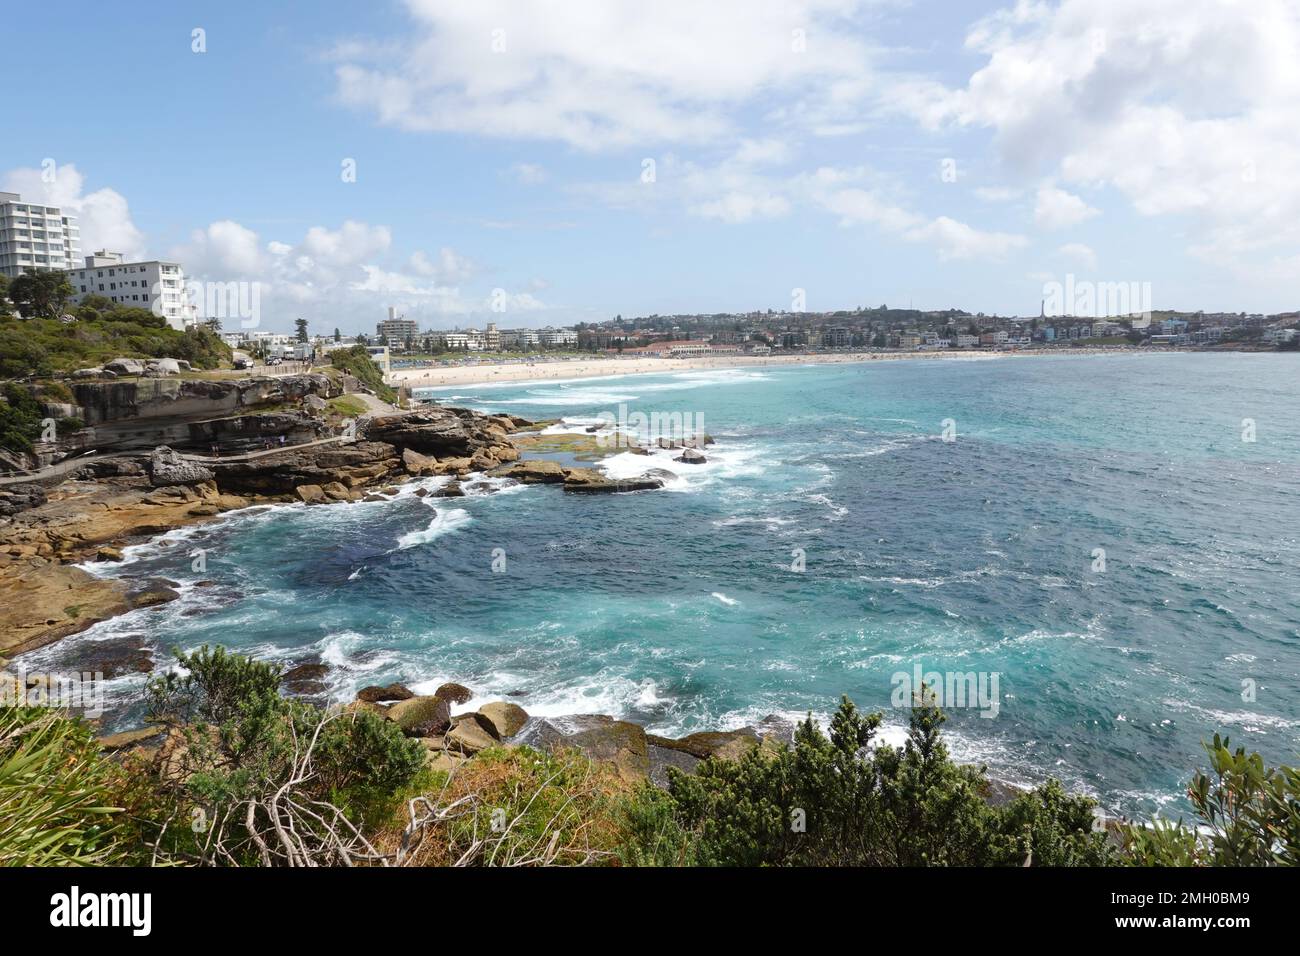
(150, 412)
(189, 399)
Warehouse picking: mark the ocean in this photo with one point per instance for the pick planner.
(1097, 545)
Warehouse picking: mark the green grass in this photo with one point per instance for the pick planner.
(349, 406)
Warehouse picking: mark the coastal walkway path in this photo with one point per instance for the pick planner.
(61, 468)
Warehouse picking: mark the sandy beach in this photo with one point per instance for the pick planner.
(594, 367)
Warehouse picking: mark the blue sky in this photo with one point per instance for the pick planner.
(865, 151)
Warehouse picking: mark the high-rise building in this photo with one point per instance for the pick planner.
(35, 237)
(395, 330)
(153, 285)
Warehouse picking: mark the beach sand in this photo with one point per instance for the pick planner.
(541, 370)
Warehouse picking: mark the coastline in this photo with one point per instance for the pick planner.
(565, 369)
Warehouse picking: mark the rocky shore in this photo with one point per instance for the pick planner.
(115, 500)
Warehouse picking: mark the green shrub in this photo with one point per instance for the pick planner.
(838, 801)
(245, 749)
(1249, 814)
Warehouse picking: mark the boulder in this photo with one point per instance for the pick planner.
(167, 366)
(618, 743)
(532, 472)
(663, 758)
(167, 467)
(417, 464)
(336, 491)
(107, 553)
(468, 736)
(451, 489)
(504, 719)
(88, 373)
(590, 481)
(305, 680)
(311, 494)
(375, 694)
(124, 366)
(692, 456)
(421, 716)
(456, 693)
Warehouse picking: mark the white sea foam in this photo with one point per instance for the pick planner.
(444, 522)
(729, 601)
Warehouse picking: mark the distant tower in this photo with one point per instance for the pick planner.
(1042, 308)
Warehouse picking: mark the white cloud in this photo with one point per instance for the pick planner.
(1082, 255)
(1186, 107)
(739, 207)
(103, 216)
(601, 73)
(1057, 209)
(451, 267)
(952, 239)
(528, 174)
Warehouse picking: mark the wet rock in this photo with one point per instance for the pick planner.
(692, 456)
(151, 593)
(306, 679)
(451, 489)
(456, 693)
(107, 553)
(375, 694)
(116, 657)
(532, 472)
(590, 481)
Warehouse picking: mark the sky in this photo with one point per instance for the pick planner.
(544, 163)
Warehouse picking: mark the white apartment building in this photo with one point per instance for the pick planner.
(153, 285)
(35, 237)
(550, 336)
(396, 330)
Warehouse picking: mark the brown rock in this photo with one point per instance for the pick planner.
(311, 494)
(421, 716)
(374, 694)
(456, 693)
(468, 736)
(503, 719)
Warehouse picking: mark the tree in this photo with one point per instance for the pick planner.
(4, 296)
(337, 336)
(41, 295)
(301, 325)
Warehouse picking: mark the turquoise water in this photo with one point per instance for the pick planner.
(680, 608)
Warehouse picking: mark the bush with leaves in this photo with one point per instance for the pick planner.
(839, 801)
(243, 748)
(1248, 814)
